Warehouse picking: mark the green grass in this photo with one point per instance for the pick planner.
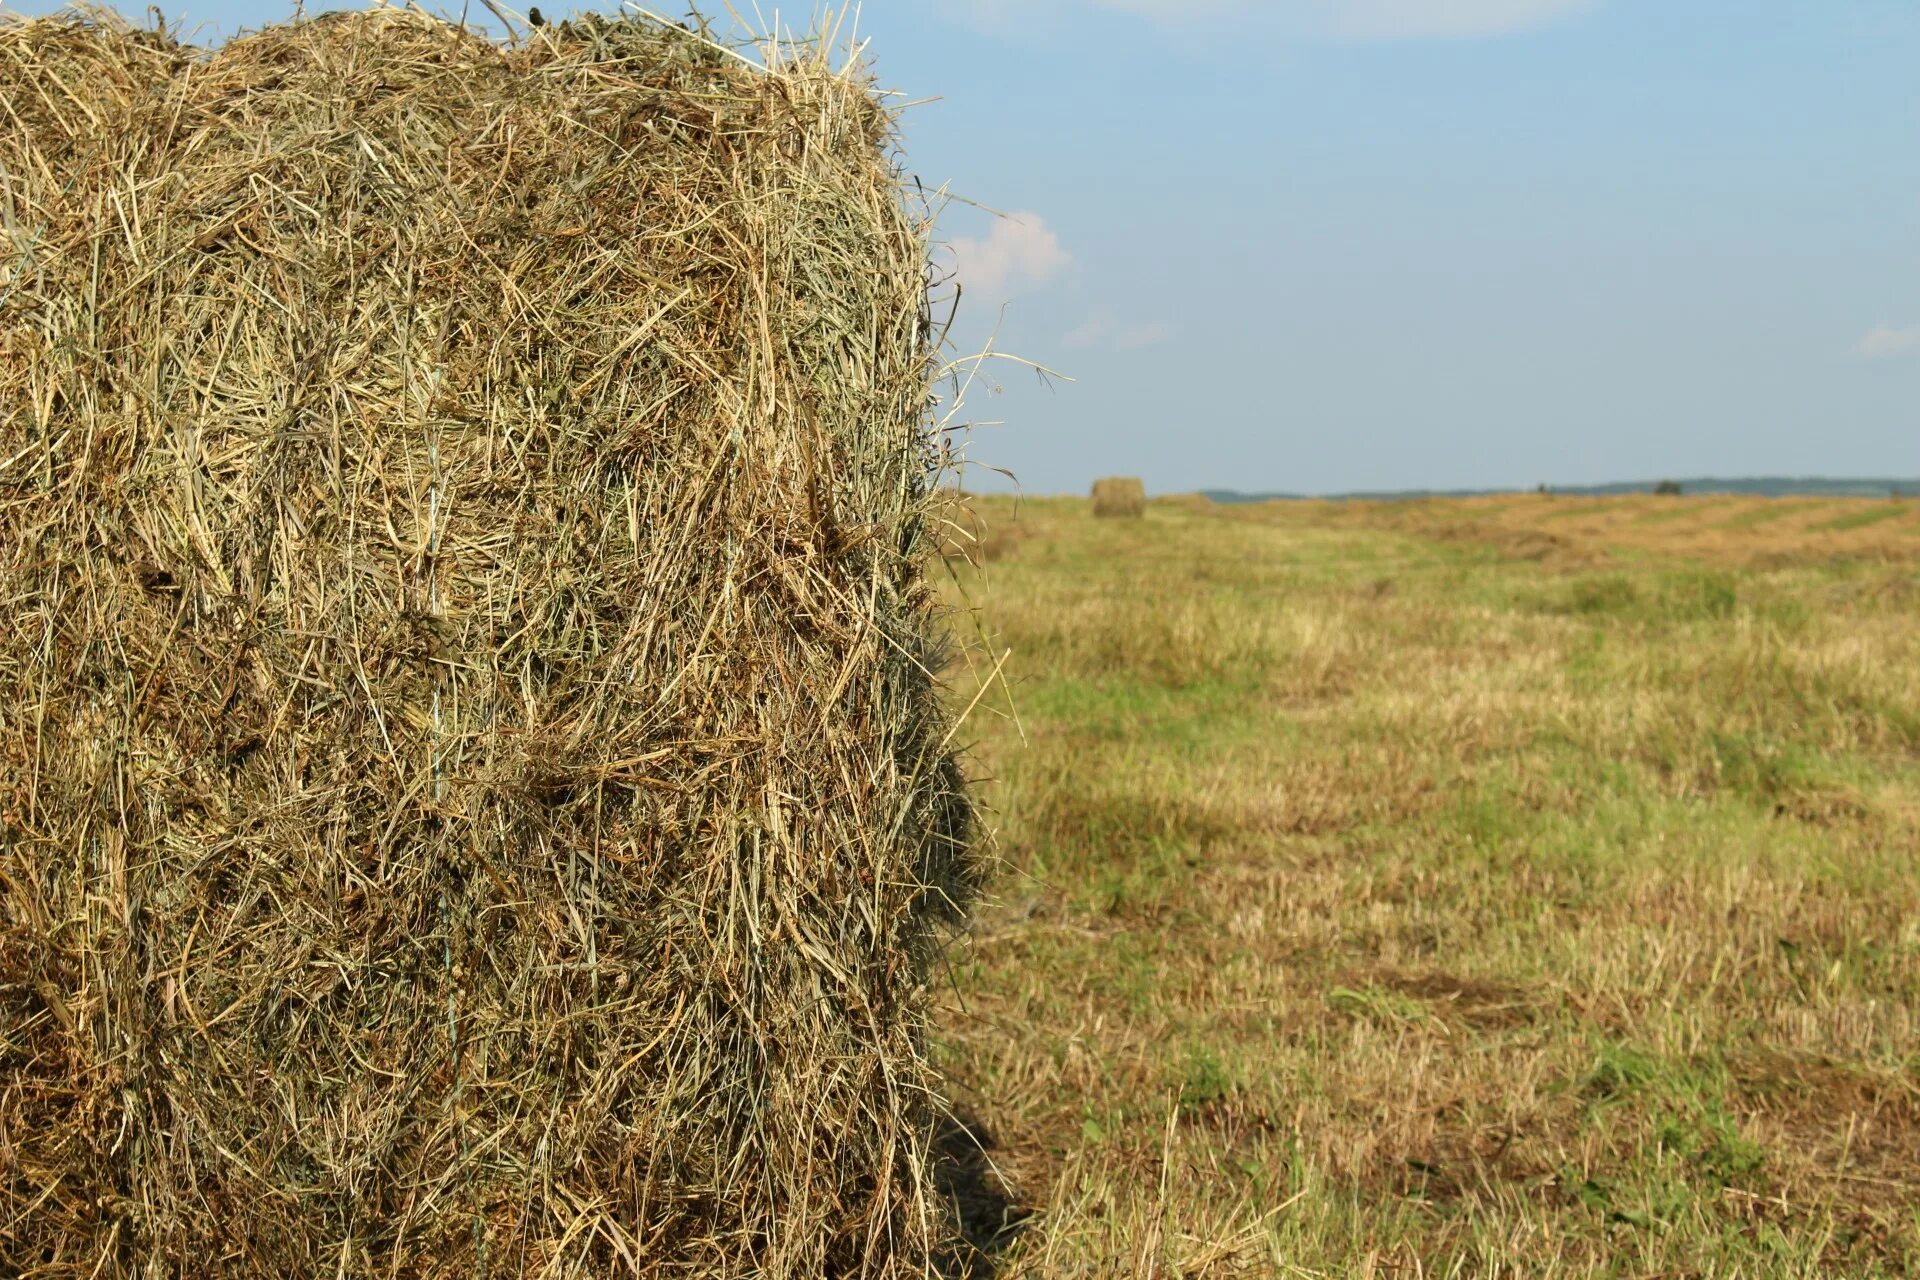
(1375, 904)
(1861, 519)
(1770, 511)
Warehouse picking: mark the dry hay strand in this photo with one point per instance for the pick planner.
(1122, 497)
(473, 797)
(967, 534)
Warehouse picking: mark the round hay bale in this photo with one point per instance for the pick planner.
(472, 797)
(1122, 497)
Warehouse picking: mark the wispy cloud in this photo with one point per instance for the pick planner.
(1441, 19)
(1171, 10)
(1021, 251)
(994, 17)
(1323, 19)
(1886, 341)
(1142, 335)
(1101, 330)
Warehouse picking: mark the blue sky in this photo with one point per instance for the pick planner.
(1338, 244)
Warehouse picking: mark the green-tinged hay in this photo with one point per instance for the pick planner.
(473, 797)
(1122, 497)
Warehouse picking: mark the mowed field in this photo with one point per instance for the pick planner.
(1729, 531)
(1508, 887)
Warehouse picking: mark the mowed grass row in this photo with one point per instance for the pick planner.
(1568, 531)
(1385, 904)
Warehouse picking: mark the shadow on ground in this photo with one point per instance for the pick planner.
(989, 1214)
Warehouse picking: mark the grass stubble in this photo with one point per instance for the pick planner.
(1385, 896)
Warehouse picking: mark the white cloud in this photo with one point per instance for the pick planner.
(1093, 332)
(1021, 251)
(1101, 330)
(1415, 19)
(1324, 19)
(994, 17)
(1170, 10)
(1887, 341)
(1142, 335)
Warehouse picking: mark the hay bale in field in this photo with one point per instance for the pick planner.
(472, 796)
(1119, 496)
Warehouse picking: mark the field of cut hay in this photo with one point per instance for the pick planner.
(1385, 898)
(473, 800)
(1727, 530)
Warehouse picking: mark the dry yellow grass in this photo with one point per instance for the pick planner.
(1726, 530)
(1380, 902)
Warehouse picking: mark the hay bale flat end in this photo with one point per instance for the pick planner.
(1119, 497)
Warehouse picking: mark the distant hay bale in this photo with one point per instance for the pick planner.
(472, 797)
(1123, 497)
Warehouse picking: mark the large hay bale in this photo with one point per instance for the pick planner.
(472, 796)
(1119, 496)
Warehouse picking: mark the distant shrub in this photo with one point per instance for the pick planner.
(1669, 488)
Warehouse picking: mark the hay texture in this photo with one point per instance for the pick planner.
(1121, 497)
(473, 801)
